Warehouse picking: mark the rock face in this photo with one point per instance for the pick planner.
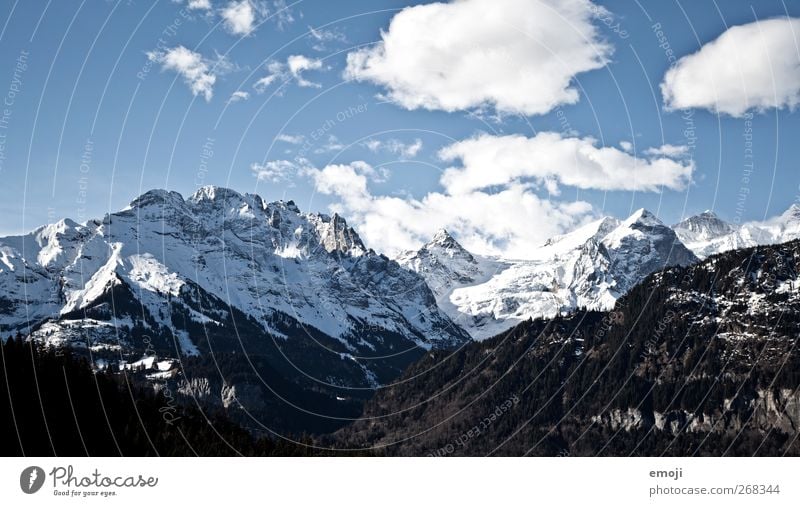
(588, 268)
(697, 360)
(221, 270)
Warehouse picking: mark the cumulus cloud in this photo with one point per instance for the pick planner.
(199, 4)
(518, 56)
(487, 223)
(294, 68)
(404, 150)
(550, 159)
(297, 64)
(198, 73)
(749, 67)
(626, 146)
(240, 17)
(237, 96)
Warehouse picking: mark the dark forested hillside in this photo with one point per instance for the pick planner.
(53, 404)
(700, 360)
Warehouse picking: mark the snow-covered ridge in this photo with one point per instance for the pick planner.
(270, 260)
(267, 260)
(706, 234)
(589, 267)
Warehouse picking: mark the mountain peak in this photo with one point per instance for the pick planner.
(213, 193)
(157, 197)
(793, 213)
(642, 217)
(702, 227)
(443, 241)
(441, 237)
(337, 236)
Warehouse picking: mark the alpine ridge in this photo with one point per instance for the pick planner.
(187, 275)
(706, 234)
(588, 268)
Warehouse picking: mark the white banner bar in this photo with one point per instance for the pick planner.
(400, 481)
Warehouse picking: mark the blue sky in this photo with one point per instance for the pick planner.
(101, 110)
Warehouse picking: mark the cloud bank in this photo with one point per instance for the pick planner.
(550, 159)
(490, 199)
(517, 56)
(749, 67)
(487, 223)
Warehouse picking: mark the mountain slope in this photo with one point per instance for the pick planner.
(589, 267)
(698, 360)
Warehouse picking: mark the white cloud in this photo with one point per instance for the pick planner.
(276, 171)
(404, 150)
(236, 96)
(241, 16)
(490, 199)
(519, 56)
(297, 64)
(198, 73)
(550, 159)
(626, 146)
(488, 223)
(199, 4)
(276, 72)
(749, 67)
(668, 150)
(291, 139)
(294, 68)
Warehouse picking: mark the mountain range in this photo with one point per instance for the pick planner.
(172, 273)
(253, 306)
(588, 268)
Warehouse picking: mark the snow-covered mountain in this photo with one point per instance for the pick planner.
(706, 234)
(221, 270)
(589, 267)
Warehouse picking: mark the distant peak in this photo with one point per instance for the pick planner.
(442, 235)
(68, 223)
(156, 197)
(702, 227)
(793, 211)
(643, 217)
(444, 243)
(443, 239)
(212, 193)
